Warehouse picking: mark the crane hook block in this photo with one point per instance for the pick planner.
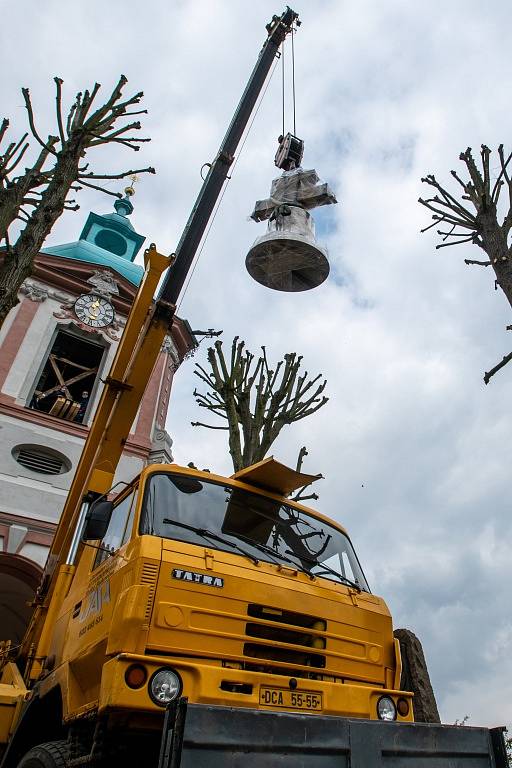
(289, 153)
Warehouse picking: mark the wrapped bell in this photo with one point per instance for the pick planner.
(287, 257)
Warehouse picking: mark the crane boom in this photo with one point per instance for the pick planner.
(147, 325)
(278, 28)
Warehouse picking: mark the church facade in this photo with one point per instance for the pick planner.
(56, 346)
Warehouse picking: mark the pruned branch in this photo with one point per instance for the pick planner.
(479, 263)
(3, 128)
(123, 175)
(17, 160)
(455, 242)
(300, 497)
(301, 493)
(58, 107)
(11, 150)
(489, 374)
(28, 104)
(300, 458)
(100, 189)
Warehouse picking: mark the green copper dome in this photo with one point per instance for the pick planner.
(109, 240)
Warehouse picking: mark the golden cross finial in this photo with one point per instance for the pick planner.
(130, 190)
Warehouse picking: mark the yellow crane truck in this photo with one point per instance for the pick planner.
(189, 619)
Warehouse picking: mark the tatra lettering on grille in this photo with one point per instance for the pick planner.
(291, 638)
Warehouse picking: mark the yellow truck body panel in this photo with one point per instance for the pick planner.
(12, 695)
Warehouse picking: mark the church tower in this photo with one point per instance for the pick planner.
(56, 346)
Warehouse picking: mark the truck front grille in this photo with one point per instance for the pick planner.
(292, 639)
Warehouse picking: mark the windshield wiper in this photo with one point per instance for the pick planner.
(327, 569)
(257, 545)
(278, 557)
(206, 534)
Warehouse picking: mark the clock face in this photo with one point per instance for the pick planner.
(94, 310)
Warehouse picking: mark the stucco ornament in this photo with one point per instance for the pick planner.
(104, 282)
(34, 292)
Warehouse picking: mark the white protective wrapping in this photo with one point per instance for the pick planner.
(297, 187)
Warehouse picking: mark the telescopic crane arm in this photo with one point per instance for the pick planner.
(147, 325)
(277, 29)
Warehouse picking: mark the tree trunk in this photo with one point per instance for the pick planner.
(495, 245)
(415, 677)
(19, 259)
(10, 276)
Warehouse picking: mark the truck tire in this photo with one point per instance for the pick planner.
(53, 754)
(415, 677)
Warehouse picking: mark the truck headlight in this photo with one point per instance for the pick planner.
(165, 686)
(386, 709)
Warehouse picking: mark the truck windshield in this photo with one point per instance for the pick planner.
(183, 508)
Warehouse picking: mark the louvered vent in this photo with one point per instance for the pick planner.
(41, 459)
(148, 576)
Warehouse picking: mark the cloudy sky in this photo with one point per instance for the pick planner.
(414, 447)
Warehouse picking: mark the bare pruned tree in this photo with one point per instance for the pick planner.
(254, 400)
(475, 218)
(39, 195)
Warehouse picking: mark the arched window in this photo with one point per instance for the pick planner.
(19, 579)
(68, 377)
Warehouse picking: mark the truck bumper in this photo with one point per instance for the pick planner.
(220, 686)
(200, 736)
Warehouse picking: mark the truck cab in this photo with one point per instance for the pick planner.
(224, 591)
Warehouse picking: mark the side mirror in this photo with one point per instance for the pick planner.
(97, 520)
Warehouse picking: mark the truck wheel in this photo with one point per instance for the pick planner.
(53, 754)
(415, 677)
